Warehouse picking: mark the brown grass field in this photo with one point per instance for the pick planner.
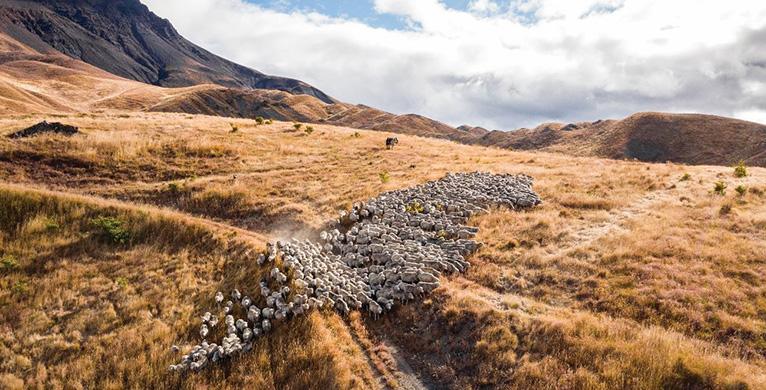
(630, 276)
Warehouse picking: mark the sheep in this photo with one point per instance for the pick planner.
(396, 248)
(253, 314)
(203, 331)
(391, 142)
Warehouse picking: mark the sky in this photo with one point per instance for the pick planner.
(500, 64)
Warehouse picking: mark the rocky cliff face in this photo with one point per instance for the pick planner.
(125, 38)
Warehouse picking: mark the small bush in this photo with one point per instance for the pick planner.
(8, 263)
(725, 209)
(356, 135)
(270, 121)
(234, 128)
(309, 129)
(111, 229)
(122, 282)
(510, 148)
(174, 187)
(720, 188)
(384, 177)
(741, 191)
(740, 170)
(51, 226)
(441, 234)
(259, 120)
(297, 126)
(19, 288)
(685, 177)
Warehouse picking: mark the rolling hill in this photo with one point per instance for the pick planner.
(118, 56)
(693, 139)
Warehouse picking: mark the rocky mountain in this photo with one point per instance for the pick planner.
(124, 38)
(80, 56)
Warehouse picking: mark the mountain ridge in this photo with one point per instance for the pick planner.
(126, 39)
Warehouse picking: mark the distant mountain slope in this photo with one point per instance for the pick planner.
(43, 80)
(652, 137)
(126, 39)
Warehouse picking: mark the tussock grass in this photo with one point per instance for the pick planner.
(626, 278)
(98, 313)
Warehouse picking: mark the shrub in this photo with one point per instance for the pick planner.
(510, 148)
(111, 229)
(720, 188)
(685, 177)
(384, 177)
(270, 121)
(174, 187)
(309, 129)
(8, 263)
(234, 128)
(356, 135)
(297, 126)
(259, 120)
(725, 209)
(122, 282)
(740, 170)
(19, 288)
(441, 234)
(741, 191)
(51, 226)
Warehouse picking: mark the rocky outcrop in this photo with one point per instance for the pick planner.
(46, 128)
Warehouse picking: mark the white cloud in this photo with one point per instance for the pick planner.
(484, 6)
(544, 60)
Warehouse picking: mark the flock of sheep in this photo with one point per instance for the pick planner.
(391, 249)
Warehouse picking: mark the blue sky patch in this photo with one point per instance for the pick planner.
(362, 10)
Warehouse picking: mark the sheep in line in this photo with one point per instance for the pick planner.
(391, 249)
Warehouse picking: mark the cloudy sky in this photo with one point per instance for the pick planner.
(500, 64)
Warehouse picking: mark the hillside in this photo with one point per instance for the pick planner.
(651, 137)
(126, 39)
(574, 294)
(72, 86)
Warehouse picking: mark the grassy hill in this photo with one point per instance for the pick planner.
(630, 276)
(651, 137)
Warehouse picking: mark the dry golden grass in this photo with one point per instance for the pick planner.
(626, 277)
(80, 312)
